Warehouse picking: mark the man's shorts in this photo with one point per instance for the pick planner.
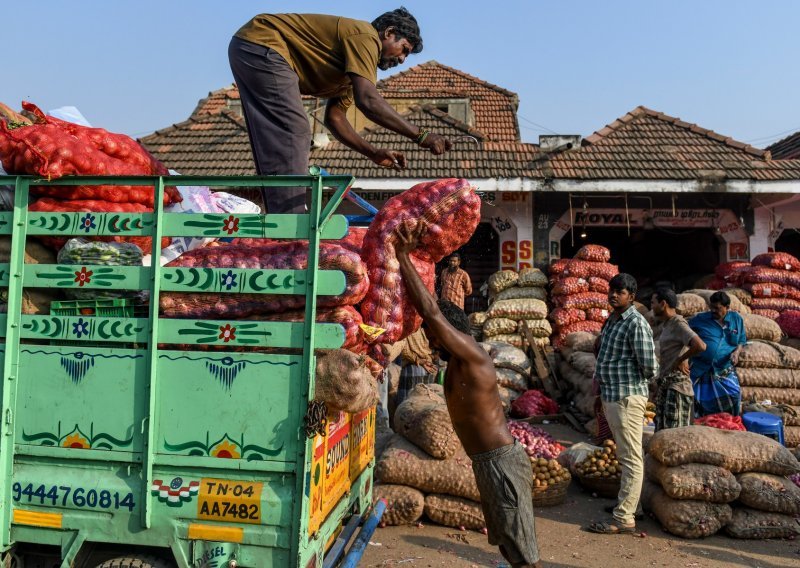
(505, 482)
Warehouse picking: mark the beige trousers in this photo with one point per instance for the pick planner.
(626, 419)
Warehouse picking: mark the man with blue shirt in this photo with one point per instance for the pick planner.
(626, 362)
(716, 385)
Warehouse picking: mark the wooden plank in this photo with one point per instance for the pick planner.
(540, 365)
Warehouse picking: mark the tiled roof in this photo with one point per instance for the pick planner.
(495, 108)
(786, 149)
(486, 159)
(645, 144)
(219, 100)
(208, 144)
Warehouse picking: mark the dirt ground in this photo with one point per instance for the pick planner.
(562, 542)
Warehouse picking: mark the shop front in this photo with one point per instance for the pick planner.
(677, 245)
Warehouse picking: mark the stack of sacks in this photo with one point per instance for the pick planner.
(771, 371)
(692, 302)
(424, 469)
(579, 292)
(476, 321)
(512, 368)
(774, 282)
(53, 148)
(702, 479)
(576, 368)
(516, 297)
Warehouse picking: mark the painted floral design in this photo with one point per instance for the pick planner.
(225, 449)
(83, 276)
(231, 225)
(87, 223)
(227, 333)
(75, 440)
(81, 328)
(228, 280)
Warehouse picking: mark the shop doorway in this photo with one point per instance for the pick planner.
(789, 241)
(680, 256)
(480, 257)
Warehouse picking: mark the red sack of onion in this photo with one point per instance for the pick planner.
(771, 314)
(779, 260)
(585, 269)
(726, 269)
(557, 266)
(789, 322)
(346, 316)
(289, 255)
(450, 208)
(533, 403)
(597, 314)
(721, 420)
(564, 316)
(570, 285)
(536, 442)
(765, 289)
(597, 284)
(585, 300)
(593, 253)
(778, 304)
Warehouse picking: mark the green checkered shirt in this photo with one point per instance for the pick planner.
(626, 360)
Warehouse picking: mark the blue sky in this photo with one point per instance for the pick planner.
(136, 66)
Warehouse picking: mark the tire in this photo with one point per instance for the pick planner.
(136, 561)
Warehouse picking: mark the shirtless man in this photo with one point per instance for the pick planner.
(502, 468)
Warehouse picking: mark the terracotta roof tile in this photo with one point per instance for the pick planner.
(787, 148)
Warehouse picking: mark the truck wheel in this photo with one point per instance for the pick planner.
(136, 561)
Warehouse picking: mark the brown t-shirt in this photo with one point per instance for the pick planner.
(673, 342)
(321, 49)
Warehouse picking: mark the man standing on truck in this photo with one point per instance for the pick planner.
(502, 468)
(276, 58)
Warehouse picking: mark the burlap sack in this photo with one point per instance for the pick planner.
(771, 493)
(504, 353)
(477, 319)
(686, 518)
(405, 464)
(749, 523)
(35, 252)
(736, 305)
(699, 482)
(759, 327)
(502, 279)
(507, 396)
(404, 505)
(511, 380)
(759, 353)
(454, 512)
(690, 304)
(35, 301)
(776, 395)
(537, 327)
(740, 294)
(583, 362)
(791, 436)
(423, 419)
(518, 309)
(344, 381)
(775, 378)
(496, 326)
(735, 451)
(517, 293)
(581, 341)
(532, 277)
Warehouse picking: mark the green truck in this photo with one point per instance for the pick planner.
(121, 450)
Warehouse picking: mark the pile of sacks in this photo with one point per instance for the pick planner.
(515, 297)
(512, 368)
(579, 292)
(576, 367)
(424, 469)
(769, 371)
(701, 480)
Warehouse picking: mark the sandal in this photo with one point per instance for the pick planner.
(611, 527)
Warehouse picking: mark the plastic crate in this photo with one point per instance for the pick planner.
(104, 307)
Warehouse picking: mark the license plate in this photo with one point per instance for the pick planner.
(230, 501)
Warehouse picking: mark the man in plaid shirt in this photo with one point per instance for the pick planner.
(626, 362)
